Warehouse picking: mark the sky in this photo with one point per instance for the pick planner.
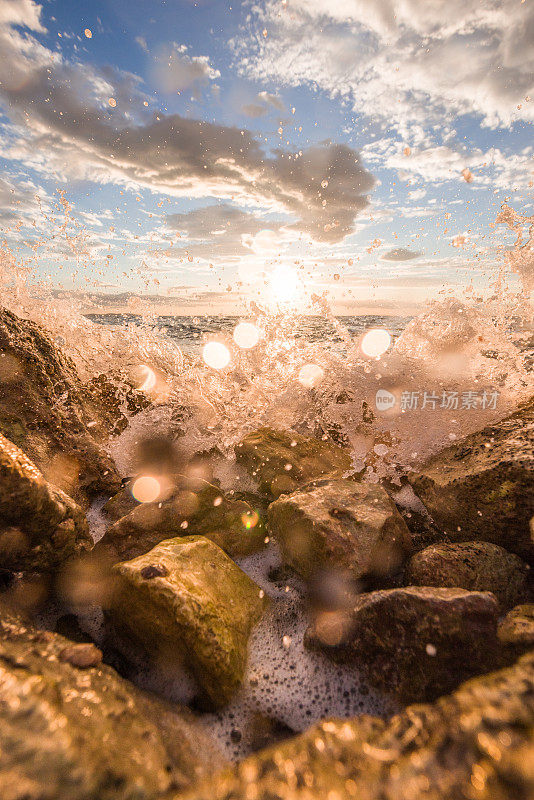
(210, 155)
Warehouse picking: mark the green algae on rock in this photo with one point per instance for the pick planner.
(74, 731)
(196, 508)
(48, 412)
(40, 526)
(482, 488)
(186, 602)
(477, 743)
(340, 525)
(282, 461)
(478, 566)
(416, 642)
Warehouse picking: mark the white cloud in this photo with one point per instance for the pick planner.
(400, 59)
(174, 70)
(72, 132)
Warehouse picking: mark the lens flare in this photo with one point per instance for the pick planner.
(311, 375)
(246, 335)
(216, 355)
(250, 519)
(146, 489)
(375, 342)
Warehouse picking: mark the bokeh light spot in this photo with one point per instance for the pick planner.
(216, 355)
(375, 342)
(311, 375)
(146, 489)
(246, 335)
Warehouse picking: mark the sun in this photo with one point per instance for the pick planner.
(285, 287)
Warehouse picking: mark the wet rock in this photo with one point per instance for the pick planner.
(340, 525)
(516, 631)
(282, 461)
(477, 743)
(417, 642)
(482, 488)
(196, 508)
(115, 397)
(478, 566)
(40, 526)
(81, 655)
(77, 731)
(199, 614)
(48, 412)
(120, 504)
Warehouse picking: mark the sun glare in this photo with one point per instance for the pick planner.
(285, 286)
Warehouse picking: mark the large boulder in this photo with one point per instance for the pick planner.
(415, 642)
(340, 525)
(49, 413)
(477, 743)
(478, 566)
(282, 461)
(40, 526)
(72, 729)
(186, 603)
(482, 488)
(195, 508)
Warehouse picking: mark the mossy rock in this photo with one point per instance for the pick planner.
(282, 461)
(477, 743)
(186, 602)
(195, 508)
(40, 526)
(340, 525)
(482, 488)
(72, 729)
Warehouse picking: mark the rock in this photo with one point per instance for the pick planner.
(482, 488)
(476, 744)
(516, 631)
(478, 566)
(121, 503)
(40, 526)
(340, 525)
(282, 461)
(80, 732)
(185, 602)
(47, 411)
(417, 642)
(196, 508)
(81, 655)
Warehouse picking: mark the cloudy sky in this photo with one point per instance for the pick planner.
(217, 153)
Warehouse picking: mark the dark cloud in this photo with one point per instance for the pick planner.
(400, 254)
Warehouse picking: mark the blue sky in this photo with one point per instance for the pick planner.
(217, 153)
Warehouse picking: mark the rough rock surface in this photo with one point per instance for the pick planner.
(80, 732)
(478, 566)
(477, 744)
(120, 504)
(47, 411)
(516, 630)
(482, 488)
(187, 603)
(282, 461)
(196, 508)
(416, 642)
(40, 526)
(340, 525)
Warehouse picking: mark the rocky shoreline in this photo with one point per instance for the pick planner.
(420, 603)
